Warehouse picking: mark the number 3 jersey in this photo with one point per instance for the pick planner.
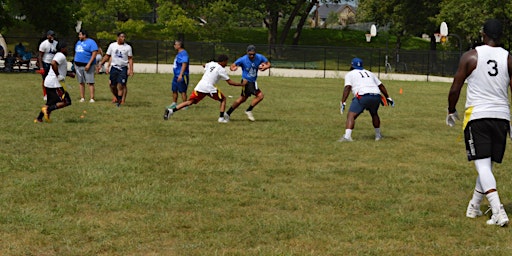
(487, 92)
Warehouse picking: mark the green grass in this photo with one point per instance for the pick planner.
(122, 181)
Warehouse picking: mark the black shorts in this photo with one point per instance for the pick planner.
(251, 88)
(56, 95)
(486, 138)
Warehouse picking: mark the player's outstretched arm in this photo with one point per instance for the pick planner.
(233, 83)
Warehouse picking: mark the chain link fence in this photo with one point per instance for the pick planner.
(378, 60)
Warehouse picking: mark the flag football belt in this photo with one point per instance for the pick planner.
(367, 94)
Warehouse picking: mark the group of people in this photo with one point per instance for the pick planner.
(214, 71)
(53, 69)
(486, 68)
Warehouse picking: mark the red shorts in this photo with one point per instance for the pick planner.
(198, 96)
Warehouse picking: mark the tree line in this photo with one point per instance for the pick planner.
(210, 21)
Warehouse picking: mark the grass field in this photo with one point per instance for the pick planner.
(122, 181)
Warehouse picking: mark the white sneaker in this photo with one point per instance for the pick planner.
(472, 211)
(249, 115)
(91, 101)
(82, 100)
(168, 113)
(500, 219)
(343, 139)
(378, 137)
(222, 120)
(226, 116)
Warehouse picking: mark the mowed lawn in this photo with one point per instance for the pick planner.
(122, 181)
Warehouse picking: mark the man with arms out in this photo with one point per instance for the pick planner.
(213, 72)
(488, 70)
(367, 89)
(58, 97)
(85, 60)
(180, 70)
(47, 49)
(250, 64)
(121, 66)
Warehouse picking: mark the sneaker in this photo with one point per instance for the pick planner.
(500, 219)
(378, 137)
(226, 116)
(249, 115)
(472, 211)
(168, 113)
(82, 100)
(222, 120)
(91, 101)
(46, 114)
(343, 139)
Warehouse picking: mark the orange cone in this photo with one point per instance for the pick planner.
(401, 91)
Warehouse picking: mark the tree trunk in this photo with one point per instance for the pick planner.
(289, 22)
(272, 22)
(303, 18)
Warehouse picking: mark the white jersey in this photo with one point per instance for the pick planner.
(362, 82)
(51, 80)
(213, 72)
(49, 50)
(120, 54)
(487, 92)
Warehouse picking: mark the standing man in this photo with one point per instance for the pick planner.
(85, 60)
(250, 64)
(58, 97)
(213, 72)
(366, 88)
(488, 70)
(47, 49)
(180, 70)
(121, 66)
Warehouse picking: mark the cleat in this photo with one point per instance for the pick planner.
(472, 211)
(168, 113)
(46, 114)
(222, 120)
(82, 100)
(92, 101)
(343, 139)
(378, 137)
(249, 115)
(226, 117)
(37, 120)
(500, 219)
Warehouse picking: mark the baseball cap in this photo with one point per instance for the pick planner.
(357, 63)
(493, 28)
(251, 48)
(50, 33)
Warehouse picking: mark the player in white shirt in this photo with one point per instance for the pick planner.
(213, 72)
(367, 89)
(47, 49)
(488, 70)
(121, 66)
(57, 95)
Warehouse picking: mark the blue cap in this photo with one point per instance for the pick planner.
(357, 63)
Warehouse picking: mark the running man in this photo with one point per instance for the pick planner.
(213, 72)
(250, 64)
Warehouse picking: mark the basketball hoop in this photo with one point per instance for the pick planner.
(438, 37)
(368, 37)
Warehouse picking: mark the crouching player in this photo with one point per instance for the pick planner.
(57, 96)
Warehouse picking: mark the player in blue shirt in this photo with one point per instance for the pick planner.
(180, 70)
(250, 64)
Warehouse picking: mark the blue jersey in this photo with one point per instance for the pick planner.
(181, 57)
(84, 49)
(250, 67)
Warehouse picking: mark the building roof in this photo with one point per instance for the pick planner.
(325, 9)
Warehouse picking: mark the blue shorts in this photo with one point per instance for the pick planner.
(180, 86)
(370, 102)
(118, 76)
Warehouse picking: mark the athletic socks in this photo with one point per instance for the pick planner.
(494, 201)
(230, 110)
(250, 108)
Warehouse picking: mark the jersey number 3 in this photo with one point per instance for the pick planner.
(494, 66)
